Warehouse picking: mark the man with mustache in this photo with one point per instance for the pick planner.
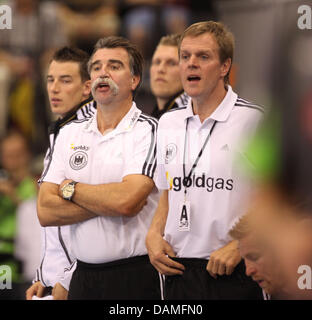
(100, 182)
(165, 81)
(68, 88)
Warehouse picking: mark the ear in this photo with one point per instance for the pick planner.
(225, 67)
(87, 88)
(134, 82)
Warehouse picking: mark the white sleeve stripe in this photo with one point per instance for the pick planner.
(83, 112)
(40, 276)
(244, 100)
(151, 157)
(244, 103)
(149, 164)
(88, 111)
(71, 266)
(250, 106)
(162, 285)
(145, 117)
(44, 173)
(63, 245)
(182, 100)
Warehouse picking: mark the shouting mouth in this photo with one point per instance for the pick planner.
(104, 85)
(193, 78)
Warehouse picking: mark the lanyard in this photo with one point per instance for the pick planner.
(187, 179)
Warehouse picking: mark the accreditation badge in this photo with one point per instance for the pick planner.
(184, 216)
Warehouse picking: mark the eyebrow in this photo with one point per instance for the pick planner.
(110, 61)
(115, 61)
(62, 76)
(252, 255)
(208, 51)
(172, 60)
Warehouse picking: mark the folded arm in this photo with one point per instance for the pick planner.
(125, 198)
(53, 210)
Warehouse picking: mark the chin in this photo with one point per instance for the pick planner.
(158, 92)
(269, 290)
(105, 101)
(55, 110)
(192, 93)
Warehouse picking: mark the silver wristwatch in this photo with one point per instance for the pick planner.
(68, 190)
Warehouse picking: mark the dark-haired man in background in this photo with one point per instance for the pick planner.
(68, 87)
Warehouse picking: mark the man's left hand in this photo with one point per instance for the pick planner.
(224, 260)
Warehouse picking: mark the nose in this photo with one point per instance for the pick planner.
(161, 67)
(250, 269)
(193, 62)
(104, 72)
(54, 86)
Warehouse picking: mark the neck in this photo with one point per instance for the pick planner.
(71, 111)
(161, 103)
(205, 106)
(108, 116)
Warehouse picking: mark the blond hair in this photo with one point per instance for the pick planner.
(223, 37)
(170, 40)
(241, 229)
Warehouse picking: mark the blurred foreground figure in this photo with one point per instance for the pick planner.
(281, 213)
(275, 241)
(275, 237)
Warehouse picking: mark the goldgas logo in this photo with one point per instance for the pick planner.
(78, 160)
(83, 148)
(202, 181)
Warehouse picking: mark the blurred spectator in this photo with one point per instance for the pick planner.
(145, 21)
(27, 240)
(86, 21)
(204, 10)
(165, 81)
(16, 185)
(24, 51)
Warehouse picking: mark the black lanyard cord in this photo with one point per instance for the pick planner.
(187, 179)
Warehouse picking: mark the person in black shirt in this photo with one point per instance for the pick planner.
(165, 80)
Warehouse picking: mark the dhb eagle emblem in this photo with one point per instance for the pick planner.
(78, 160)
(171, 152)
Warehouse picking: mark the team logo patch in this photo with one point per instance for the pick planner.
(78, 160)
(171, 152)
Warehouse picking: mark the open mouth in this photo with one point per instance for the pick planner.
(102, 85)
(105, 85)
(193, 78)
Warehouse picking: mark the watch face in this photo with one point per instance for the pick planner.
(68, 191)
